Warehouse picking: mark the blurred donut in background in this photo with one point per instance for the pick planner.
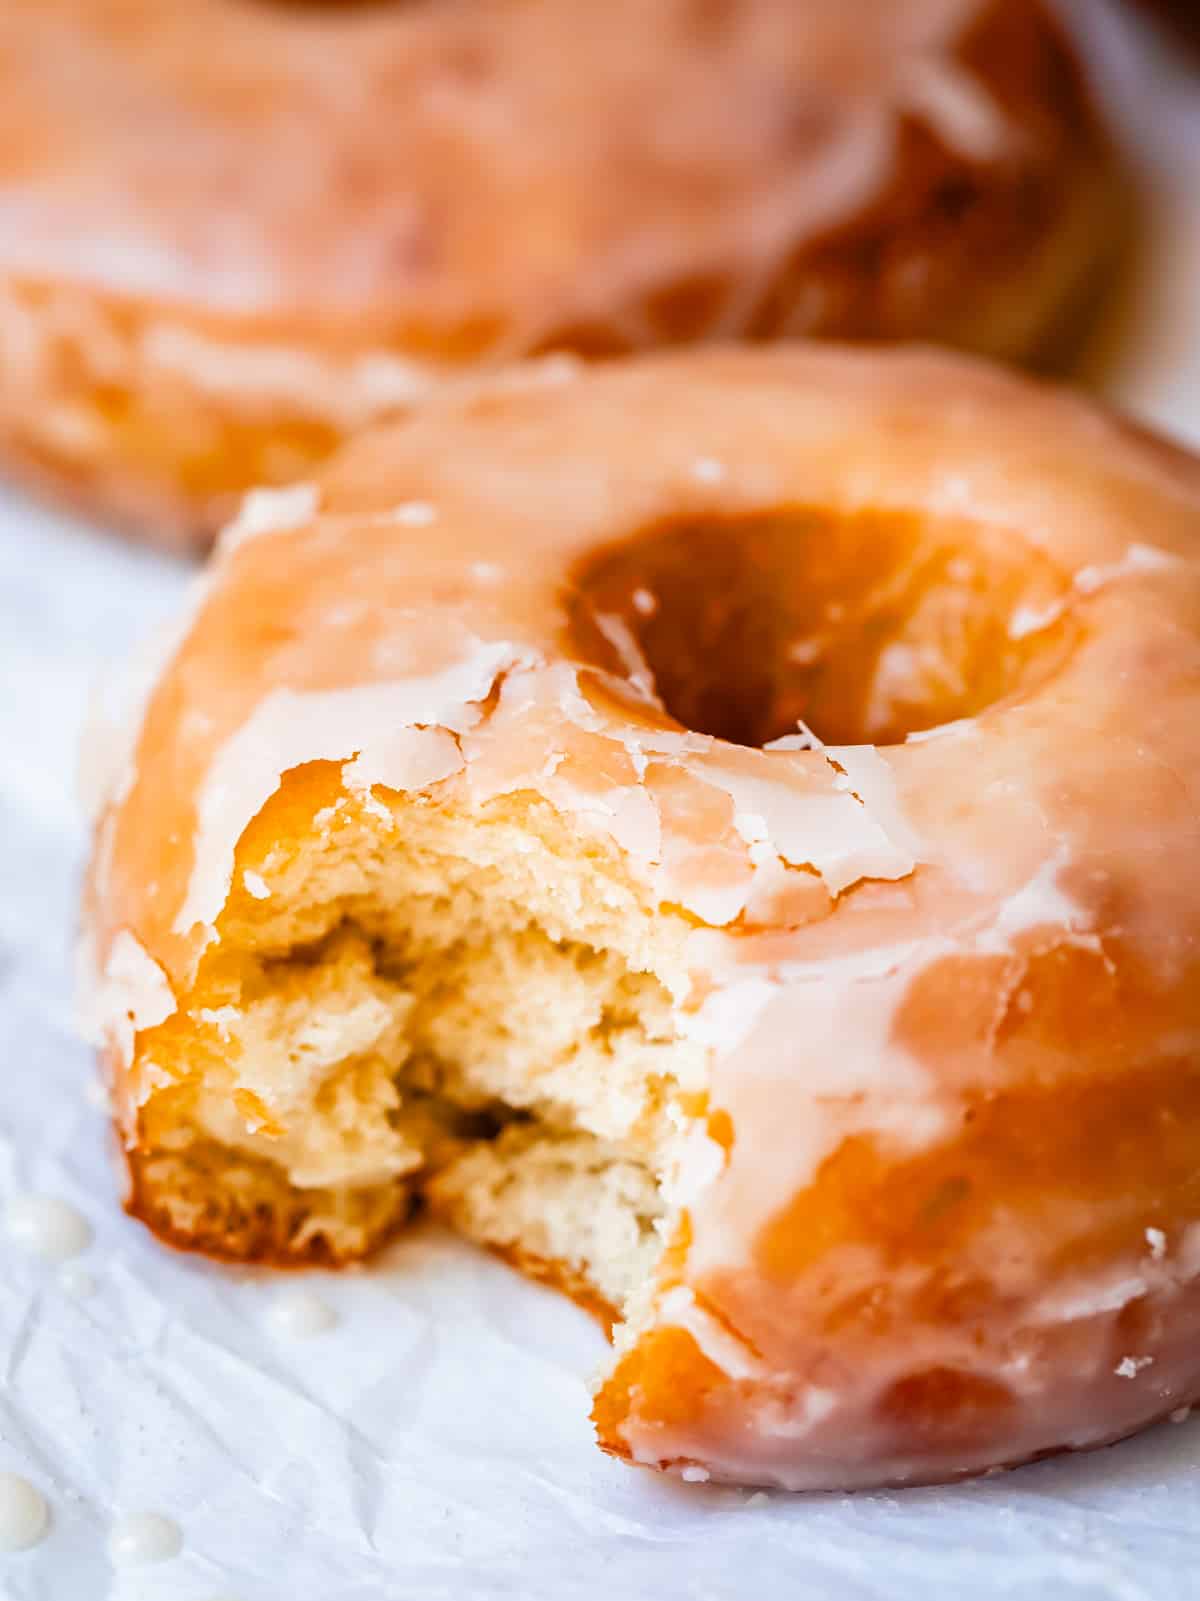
(233, 231)
(1182, 15)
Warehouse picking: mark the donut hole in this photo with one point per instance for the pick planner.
(866, 627)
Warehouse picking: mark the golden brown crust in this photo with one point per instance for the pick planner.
(235, 1210)
(562, 1277)
(956, 188)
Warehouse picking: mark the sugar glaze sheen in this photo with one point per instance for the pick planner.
(916, 1008)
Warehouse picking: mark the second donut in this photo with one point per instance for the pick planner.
(232, 231)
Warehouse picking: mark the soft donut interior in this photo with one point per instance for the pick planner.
(473, 1009)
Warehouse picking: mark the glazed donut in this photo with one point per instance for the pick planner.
(232, 231)
(725, 830)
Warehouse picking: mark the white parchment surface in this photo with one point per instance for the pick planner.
(435, 1442)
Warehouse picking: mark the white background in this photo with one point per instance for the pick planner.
(435, 1443)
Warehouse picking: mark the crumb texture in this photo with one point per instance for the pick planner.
(409, 1002)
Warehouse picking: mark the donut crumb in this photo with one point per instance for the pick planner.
(470, 1011)
(1130, 1366)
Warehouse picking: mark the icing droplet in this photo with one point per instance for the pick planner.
(300, 1314)
(694, 1474)
(559, 368)
(144, 1537)
(414, 514)
(45, 1226)
(77, 1281)
(24, 1515)
(1181, 1414)
(1130, 1366)
(705, 470)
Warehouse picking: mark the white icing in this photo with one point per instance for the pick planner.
(716, 904)
(1027, 620)
(752, 828)
(706, 470)
(144, 1537)
(960, 725)
(956, 106)
(1040, 902)
(695, 1163)
(897, 667)
(629, 652)
(804, 740)
(46, 1226)
(1157, 1241)
(791, 1422)
(221, 1017)
(299, 1314)
(822, 1060)
(24, 1513)
(1137, 561)
(830, 831)
(632, 820)
(1075, 1302)
(694, 1474)
(727, 1015)
(411, 758)
(414, 514)
(288, 729)
(680, 1308)
(540, 372)
(270, 511)
(256, 885)
(131, 994)
(952, 492)
(872, 782)
(349, 392)
(1130, 1366)
(804, 652)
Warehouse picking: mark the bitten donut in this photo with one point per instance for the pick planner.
(724, 830)
(233, 231)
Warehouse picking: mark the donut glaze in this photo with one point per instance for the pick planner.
(939, 1207)
(232, 231)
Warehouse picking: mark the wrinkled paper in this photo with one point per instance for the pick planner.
(435, 1442)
